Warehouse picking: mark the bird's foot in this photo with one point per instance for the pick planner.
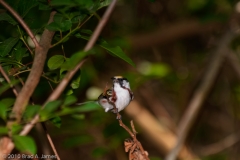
(119, 117)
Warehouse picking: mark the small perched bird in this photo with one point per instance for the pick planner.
(120, 94)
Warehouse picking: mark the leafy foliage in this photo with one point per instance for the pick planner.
(16, 57)
(25, 144)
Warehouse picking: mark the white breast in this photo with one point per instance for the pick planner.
(123, 97)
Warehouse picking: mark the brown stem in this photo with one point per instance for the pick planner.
(50, 140)
(35, 74)
(200, 95)
(100, 26)
(21, 21)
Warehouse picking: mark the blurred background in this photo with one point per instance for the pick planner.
(176, 46)
(173, 44)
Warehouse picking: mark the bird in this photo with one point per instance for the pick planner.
(121, 93)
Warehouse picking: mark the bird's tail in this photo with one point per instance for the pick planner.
(80, 104)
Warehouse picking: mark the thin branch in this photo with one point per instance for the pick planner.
(21, 21)
(60, 88)
(25, 43)
(8, 80)
(200, 95)
(27, 70)
(35, 74)
(50, 140)
(100, 26)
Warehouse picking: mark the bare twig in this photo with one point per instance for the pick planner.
(200, 95)
(8, 80)
(21, 21)
(50, 140)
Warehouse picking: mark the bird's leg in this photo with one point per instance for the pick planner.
(119, 117)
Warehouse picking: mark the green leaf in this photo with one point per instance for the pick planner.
(3, 130)
(44, 6)
(70, 100)
(48, 110)
(78, 116)
(114, 50)
(7, 45)
(3, 110)
(19, 53)
(6, 86)
(6, 17)
(56, 121)
(53, 27)
(88, 107)
(66, 25)
(16, 128)
(76, 82)
(55, 62)
(117, 51)
(31, 111)
(25, 144)
(9, 61)
(74, 60)
(25, 5)
(104, 3)
(8, 102)
(52, 106)
(60, 23)
(69, 92)
(65, 66)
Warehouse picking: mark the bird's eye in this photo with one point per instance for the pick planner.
(109, 92)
